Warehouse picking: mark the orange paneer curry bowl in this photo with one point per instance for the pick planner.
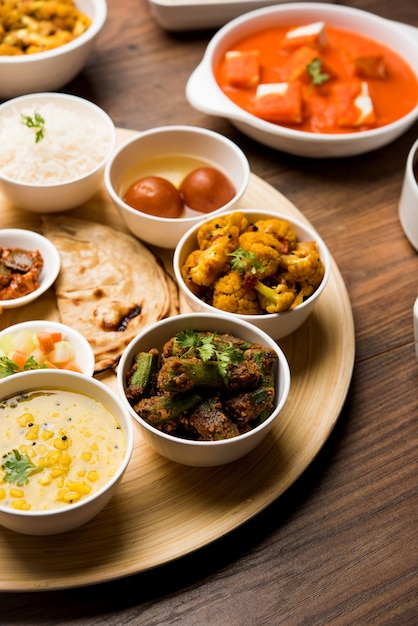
(311, 79)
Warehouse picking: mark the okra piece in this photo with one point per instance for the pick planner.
(143, 374)
(160, 409)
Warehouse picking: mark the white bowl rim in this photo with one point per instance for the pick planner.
(37, 324)
(91, 32)
(175, 128)
(325, 256)
(51, 272)
(63, 97)
(129, 440)
(236, 112)
(233, 441)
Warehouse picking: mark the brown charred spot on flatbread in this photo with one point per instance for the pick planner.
(115, 315)
(99, 293)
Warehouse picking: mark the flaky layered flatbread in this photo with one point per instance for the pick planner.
(110, 285)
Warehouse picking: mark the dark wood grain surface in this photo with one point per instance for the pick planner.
(340, 546)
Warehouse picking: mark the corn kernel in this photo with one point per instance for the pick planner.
(25, 419)
(80, 487)
(56, 472)
(21, 505)
(93, 476)
(86, 456)
(2, 493)
(47, 434)
(16, 493)
(45, 480)
(94, 447)
(81, 473)
(61, 443)
(32, 433)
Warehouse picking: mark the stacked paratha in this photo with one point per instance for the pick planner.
(110, 285)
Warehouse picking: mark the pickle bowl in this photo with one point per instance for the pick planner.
(277, 325)
(203, 453)
(61, 513)
(28, 240)
(204, 93)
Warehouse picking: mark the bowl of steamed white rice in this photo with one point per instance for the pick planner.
(54, 148)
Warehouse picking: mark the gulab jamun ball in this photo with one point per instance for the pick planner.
(155, 196)
(206, 189)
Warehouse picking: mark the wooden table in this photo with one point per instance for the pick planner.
(340, 546)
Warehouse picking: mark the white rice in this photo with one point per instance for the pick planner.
(72, 145)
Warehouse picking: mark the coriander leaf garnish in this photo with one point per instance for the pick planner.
(36, 122)
(8, 366)
(245, 261)
(314, 70)
(18, 467)
(206, 349)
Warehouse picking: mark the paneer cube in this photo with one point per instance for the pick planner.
(279, 102)
(353, 104)
(295, 67)
(369, 66)
(242, 68)
(310, 34)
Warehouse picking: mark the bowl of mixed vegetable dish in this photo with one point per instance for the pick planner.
(312, 79)
(259, 266)
(44, 345)
(204, 389)
(45, 44)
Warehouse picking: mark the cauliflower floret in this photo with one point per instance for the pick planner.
(230, 226)
(212, 262)
(281, 230)
(304, 263)
(230, 295)
(275, 299)
(266, 249)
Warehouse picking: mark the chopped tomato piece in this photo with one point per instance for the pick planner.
(56, 335)
(50, 365)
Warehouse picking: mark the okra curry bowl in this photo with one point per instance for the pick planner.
(65, 442)
(204, 389)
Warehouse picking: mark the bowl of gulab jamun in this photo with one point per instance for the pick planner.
(166, 179)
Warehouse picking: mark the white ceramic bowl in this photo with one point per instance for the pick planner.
(408, 203)
(203, 453)
(29, 240)
(64, 519)
(52, 69)
(205, 95)
(52, 197)
(83, 352)
(277, 325)
(172, 141)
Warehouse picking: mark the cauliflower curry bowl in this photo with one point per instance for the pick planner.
(259, 266)
(31, 61)
(164, 180)
(65, 443)
(312, 79)
(204, 389)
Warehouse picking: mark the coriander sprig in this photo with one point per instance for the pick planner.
(244, 261)
(205, 348)
(37, 122)
(17, 467)
(8, 366)
(314, 70)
